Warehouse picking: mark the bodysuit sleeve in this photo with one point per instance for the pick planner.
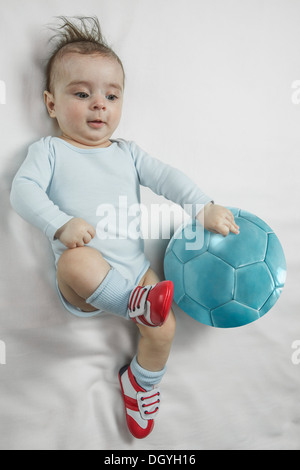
(29, 190)
(169, 182)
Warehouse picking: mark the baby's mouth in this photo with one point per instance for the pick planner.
(97, 123)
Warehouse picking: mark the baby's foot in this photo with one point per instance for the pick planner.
(151, 305)
(141, 407)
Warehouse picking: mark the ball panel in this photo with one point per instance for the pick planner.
(190, 241)
(254, 285)
(271, 301)
(233, 314)
(239, 250)
(256, 220)
(208, 280)
(275, 260)
(196, 311)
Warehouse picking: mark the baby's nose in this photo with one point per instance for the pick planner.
(99, 103)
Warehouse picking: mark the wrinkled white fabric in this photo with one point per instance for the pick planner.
(203, 78)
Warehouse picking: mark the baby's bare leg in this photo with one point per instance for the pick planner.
(79, 272)
(155, 343)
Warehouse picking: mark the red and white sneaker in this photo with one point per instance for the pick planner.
(141, 407)
(151, 305)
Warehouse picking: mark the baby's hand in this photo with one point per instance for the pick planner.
(218, 219)
(75, 233)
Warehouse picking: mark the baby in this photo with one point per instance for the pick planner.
(63, 182)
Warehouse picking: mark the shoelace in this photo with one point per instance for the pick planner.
(136, 297)
(144, 405)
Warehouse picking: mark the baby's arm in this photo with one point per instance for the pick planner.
(179, 188)
(30, 200)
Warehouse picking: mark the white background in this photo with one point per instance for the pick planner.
(209, 89)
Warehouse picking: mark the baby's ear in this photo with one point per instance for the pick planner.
(50, 104)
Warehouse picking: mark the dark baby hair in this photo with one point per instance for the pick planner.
(77, 34)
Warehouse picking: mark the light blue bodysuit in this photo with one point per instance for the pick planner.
(59, 181)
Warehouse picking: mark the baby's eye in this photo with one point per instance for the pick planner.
(111, 97)
(82, 95)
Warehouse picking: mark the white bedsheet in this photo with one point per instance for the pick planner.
(212, 89)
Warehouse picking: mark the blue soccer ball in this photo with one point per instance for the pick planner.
(230, 281)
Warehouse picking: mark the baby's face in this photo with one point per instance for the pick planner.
(87, 98)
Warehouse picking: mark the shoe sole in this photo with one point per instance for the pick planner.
(167, 305)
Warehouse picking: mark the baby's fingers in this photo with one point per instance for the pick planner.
(234, 228)
(224, 230)
(230, 222)
(87, 238)
(228, 227)
(92, 231)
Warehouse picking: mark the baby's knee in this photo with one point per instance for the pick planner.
(82, 266)
(71, 261)
(162, 335)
